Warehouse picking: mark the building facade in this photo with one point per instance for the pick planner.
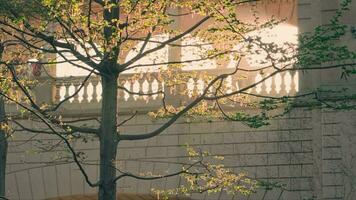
(306, 154)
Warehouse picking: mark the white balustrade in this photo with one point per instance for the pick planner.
(282, 84)
(91, 91)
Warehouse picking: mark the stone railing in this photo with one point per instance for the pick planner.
(91, 91)
(279, 85)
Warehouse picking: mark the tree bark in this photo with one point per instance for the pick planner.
(108, 139)
(3, 150)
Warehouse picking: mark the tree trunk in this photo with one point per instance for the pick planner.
(108, 139)
(3, 150)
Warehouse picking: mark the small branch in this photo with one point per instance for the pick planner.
(139, 93)
(127, 174)
(128, 119)
(81, 120)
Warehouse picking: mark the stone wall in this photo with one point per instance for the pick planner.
(311, 152)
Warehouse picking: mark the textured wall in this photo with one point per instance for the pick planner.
(281, 152)
(309, 151)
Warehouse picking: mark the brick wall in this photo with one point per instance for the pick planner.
(308, 151)
(280, 152)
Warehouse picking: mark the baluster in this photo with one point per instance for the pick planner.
(99, 91)
(140, 89)
(145, 89)
(57, 92)
(94, 95)
(283, 84)
(90, 91)
(76, 97)
(136, 88)
(268, 84)
(200, 86)
(67, 85)
(263, 84)
(127, 85)
(155, 87)
(85, 93)
(292, 83)
(258, 87)
(278, 83)
(149, 88)
(288, 82)
(273, 86)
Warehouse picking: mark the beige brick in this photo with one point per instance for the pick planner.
(216, 138)
(301, 183)
(233, 137)
(167, 140)
(135, 129)
(300, 113)
(266, 172)
(301, 158)
(154, 152)
(189, 139)
(275, 136)
(330, 179)
(256, 137)
(289, 171)
(307, 146)
(330, 141)
(245, 148)
(332, 153)
(143, 119)
(329, 192)
(271, 147)
(250, 170)
(290, 146)
(284, 124)
(222, 149)
(179, 128)
(220, 127)
(252, 160)
(301, 134)
(307, 170)
(200, 128)
(279, 158)
(330, 129)
(331, 117)
(176, 151)
(332, 165)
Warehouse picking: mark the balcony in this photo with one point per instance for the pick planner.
(88, 99)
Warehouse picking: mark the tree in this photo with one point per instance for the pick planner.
(6, 85)
(106, 30)
(3, 150)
